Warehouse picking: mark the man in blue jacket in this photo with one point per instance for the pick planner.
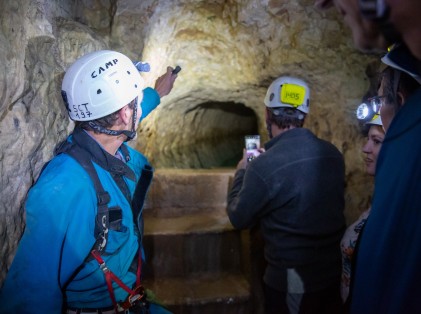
(81, 251)
(295, 192)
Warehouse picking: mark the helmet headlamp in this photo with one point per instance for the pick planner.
(363, 111)
(367, 110)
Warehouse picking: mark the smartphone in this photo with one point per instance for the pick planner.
(252, 143)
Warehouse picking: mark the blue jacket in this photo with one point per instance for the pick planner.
(388, 267)
(60, 220)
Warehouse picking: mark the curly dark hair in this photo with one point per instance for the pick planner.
(286, 117)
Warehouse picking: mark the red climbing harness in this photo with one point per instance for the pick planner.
(135, 296)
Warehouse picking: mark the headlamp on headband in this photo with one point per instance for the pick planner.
(367, 110)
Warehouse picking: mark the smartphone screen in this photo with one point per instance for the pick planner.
(252, 143)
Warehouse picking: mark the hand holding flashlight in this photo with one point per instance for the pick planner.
(165, 82)
(176, 70)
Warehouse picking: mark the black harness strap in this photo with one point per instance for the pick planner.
(140, 193)
(80, 150)
(103, 198)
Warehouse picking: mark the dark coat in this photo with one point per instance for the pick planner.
(295, 190)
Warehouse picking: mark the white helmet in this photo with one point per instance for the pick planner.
(399, 57)
(376, 120)
(289, 92)
(99, 84)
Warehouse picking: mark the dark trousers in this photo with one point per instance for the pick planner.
(327, 301)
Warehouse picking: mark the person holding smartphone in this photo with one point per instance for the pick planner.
(294, 191)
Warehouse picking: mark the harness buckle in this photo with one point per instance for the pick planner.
(104, 267)
(135, 299)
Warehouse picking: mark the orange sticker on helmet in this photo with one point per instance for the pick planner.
(293, 94)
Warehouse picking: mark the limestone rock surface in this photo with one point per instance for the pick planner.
(229, 51)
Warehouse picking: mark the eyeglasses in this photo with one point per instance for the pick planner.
(367, 110)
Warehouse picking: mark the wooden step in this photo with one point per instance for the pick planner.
(194, 257)
(176, 192)
(198, 243)
(222, 294)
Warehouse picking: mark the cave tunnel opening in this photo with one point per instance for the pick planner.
(212, 136)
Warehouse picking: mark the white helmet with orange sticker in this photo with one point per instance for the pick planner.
(288, 92)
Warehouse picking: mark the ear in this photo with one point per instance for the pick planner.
(125, 114)
(266, 113)
(400, 98)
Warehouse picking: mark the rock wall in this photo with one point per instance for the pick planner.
(229, 51)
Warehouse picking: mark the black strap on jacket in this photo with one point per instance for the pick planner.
(102, 221)
(139, 195)
(86, 151)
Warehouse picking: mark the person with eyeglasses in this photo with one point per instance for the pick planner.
(394, 87)
(387, 274)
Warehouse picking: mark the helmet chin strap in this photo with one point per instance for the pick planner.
(129, 134)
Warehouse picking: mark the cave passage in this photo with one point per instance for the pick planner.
(211, 135)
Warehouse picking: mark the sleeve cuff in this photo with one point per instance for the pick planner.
(150, 101)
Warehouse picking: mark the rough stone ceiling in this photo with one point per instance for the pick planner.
(230, 51)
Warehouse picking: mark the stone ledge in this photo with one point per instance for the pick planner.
(205, 222)
(224, 289)
(188, 191)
